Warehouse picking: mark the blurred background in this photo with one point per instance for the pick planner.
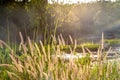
(84, 20)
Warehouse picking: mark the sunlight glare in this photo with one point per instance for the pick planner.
(72, 1)
(75, 1)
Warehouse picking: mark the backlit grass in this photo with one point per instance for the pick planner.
(35, 62)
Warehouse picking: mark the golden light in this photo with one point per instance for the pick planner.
(72, 1)
(75, 1)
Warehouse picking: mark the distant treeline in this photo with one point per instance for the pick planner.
(39, 19)
(2, 2)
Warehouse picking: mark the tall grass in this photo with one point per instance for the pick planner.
(36, 62)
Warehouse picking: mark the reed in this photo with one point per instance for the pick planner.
(37, 63)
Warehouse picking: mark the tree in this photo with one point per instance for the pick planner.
(5, 2)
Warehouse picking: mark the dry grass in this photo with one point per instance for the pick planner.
(37, 63)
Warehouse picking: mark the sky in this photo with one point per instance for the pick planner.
(76, 1)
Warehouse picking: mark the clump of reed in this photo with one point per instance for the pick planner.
(36, 63)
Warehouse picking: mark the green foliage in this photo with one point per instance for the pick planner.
(84, 61)
(4, 56)
(47, 17)
(90, 46)
(108, 72)
(113, 41)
